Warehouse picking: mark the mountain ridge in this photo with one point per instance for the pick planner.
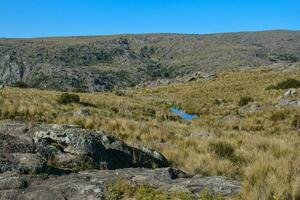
(100, 63)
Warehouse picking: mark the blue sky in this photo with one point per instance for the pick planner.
(40, 18)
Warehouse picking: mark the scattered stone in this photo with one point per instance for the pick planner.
(82, 112)
(201, 134)
(252, 107)
(288, 102)
(230, 118)
(289, 93)
(220, 102)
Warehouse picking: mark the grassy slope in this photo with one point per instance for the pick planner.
(264, 154)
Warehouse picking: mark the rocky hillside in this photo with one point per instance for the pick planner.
(102, 62)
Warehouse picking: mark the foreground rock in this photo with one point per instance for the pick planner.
(91, 184)
(62, 162)
(289, 98)
(69, 147)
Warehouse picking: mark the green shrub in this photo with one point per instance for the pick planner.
(118, 91)
(119, 190)
(67, 98)
(277, 116)
(206, 195)
(149, 193)
(219, 102)
(296, 122)
(244, 100)
(20, 84)
(288, 57)
(123, 189)
(289, 83)
(222, 149)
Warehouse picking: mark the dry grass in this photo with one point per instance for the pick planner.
(264, 147)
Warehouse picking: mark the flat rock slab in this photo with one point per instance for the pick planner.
(91, 184)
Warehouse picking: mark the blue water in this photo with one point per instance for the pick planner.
(183, 114)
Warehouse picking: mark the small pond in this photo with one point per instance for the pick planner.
(183, 114)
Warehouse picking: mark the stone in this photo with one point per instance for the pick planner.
(75, 147)
(82, 112)
(42, 161)
(288, 102)
(252, 107)
(31, 149)
(289, 92)
(91, 184)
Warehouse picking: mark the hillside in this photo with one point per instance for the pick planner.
(254, 142)
(102, 62)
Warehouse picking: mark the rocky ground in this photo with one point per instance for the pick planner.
(40, 161)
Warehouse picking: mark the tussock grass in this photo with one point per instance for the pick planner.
(263, 148)
(123, 189)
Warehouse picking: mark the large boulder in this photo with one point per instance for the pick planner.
(39, 161)
(75, 148)
(28, 147)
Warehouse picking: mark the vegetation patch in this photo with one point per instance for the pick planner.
(296, 122)
(244, 100)
(67, 98)
(123, 189)
(289, 83)
(222, 149)
(277, 116)
(20, 84)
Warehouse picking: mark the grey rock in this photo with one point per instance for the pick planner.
(30, 148)
(252, 107)
(288, 102)
(91, 184)
(290, 92)
(84, 112)
(63, 162)
(75, 147)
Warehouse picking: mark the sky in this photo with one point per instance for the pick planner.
(43, 18)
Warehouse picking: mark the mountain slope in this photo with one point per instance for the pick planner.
(102, 62)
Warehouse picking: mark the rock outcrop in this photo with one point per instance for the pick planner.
(289, 98)
(69, 147)
(40, 161)
(91, 184)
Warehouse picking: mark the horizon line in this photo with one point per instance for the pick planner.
(145, 33)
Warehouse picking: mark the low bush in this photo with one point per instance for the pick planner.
(289, 83)
(122, 189)
(244, 100)
(119, 91)
(222, 149)
(206, 195)
(119, 190)
(277, 116)
(296, 122)
(67, 98)
(20, 84)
